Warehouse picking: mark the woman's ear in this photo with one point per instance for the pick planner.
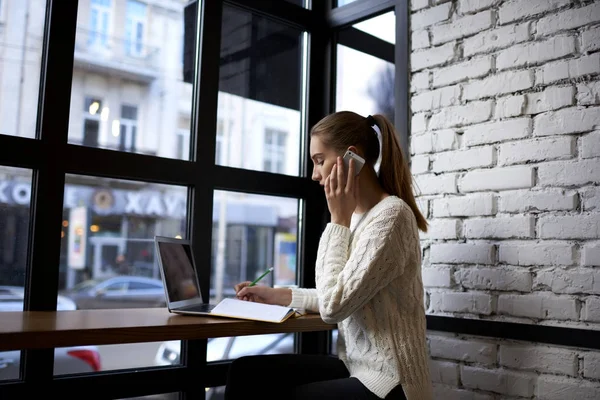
(355, 150)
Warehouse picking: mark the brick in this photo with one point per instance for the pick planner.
(464, 206)
(497, 179)
(470, 6)
(475, 68)
(493, 132)
(590, 40)
(517, 9)
(591, 309)
(536, 52)
(552, 98)
(435, 99)
(437, 276)
(462, 27)
(462, 350)
(567, 173)
(590, 145)
(496, 39)
(581, 226)
(500, 227)
(443, 372)
(431, 184)
(588, 93)
(450, 393)
(502, 83)
(418, 4)
(464, 159)
(420, 144)
(580, 280)
(497, 381)
(511, 279)
(590, 197)
(591, 365)
(567, 69)
(526, 201)
(509, 106)
(462, 253)
(551, 387)
(591, 254)
(419, 164)
(535, 254)
(567, 120)
(433, 56)
(458, 302)
(430, 16)
(539, 358)
(569, 19)
(538, 306)
(442, 229)
(536, 150)
(418, 122)
(419, 40)
(472, 113)
(419, 81)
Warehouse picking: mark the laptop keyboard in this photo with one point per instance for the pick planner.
(200, 307)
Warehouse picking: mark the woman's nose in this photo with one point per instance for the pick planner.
(315, 175)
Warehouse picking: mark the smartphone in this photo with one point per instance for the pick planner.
(358, 161)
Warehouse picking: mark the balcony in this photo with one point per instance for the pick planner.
(114, 56)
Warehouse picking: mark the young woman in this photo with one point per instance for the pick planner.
(368, 278)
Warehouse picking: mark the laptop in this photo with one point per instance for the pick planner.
(178, 270)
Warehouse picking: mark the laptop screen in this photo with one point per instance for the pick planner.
(180, 277)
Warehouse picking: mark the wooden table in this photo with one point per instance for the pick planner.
(47, 329)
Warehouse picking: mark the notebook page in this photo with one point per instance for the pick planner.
(250, 310)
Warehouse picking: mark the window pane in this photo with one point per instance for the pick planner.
(382, 26)
(108, 258)
(21, 40)
(162, 396)
(15, 197)
(260, 85)
(251, 233)
(215, 393)
(365, 84)
(129, 92)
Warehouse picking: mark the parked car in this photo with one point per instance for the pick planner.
(118, 292)
(67, 360)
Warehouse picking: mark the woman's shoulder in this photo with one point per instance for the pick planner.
(392, 207)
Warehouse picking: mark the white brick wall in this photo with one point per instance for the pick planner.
(506, 155)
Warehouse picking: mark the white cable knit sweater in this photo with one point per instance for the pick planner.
(368, 281)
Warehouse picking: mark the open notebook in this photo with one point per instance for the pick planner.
(183, 294)
(254, 311)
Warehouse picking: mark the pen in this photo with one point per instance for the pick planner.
(260, 277)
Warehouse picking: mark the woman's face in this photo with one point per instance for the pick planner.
(323, 157)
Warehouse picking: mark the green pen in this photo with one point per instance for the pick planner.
(260, 277)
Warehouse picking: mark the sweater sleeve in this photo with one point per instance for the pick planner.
(305, 299)
(345, 282)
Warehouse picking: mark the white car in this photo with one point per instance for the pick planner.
(67, 360)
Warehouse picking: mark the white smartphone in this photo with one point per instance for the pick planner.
(358, 161)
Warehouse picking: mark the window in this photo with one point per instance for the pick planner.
(134, 28)
(100, 15)
(221, 144)
(183, 143)
(274, 151)
(91, 125)
(128, 129)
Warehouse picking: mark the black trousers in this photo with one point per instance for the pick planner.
(296, 376)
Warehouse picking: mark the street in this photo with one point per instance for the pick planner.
(121, 356)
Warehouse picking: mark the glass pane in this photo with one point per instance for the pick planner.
(132, 87)
(15, 197)
(260, 86)
(108, 258)
(251, 233)
(344, 2)
(364, 84)
(21, 41)
(215, 393)
(162, 396)
(382, 26)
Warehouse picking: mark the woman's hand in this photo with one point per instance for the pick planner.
(341, 191)
(263, 294)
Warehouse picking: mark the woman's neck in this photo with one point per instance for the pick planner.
(370, 191)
